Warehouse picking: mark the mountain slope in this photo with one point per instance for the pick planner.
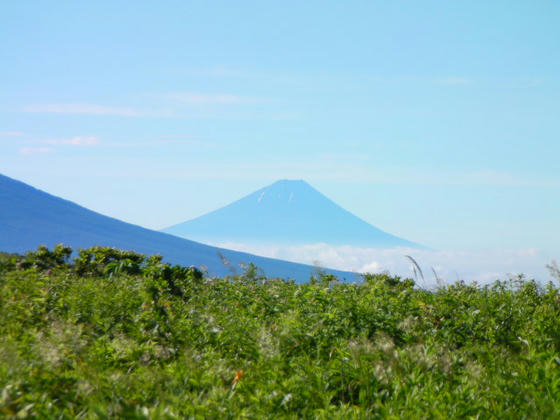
(30, 217)
(286, 212)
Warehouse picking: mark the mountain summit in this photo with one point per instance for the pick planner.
(30, 217)
(286, 212)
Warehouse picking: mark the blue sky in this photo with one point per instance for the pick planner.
(437, 121)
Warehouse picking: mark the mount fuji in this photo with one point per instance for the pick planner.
(30, 217)
(286, 213)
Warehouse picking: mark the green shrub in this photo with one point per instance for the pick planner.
(118, 334)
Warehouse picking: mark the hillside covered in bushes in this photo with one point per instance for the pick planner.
(117, 334)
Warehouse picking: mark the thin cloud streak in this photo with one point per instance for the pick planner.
(74, 141)
(35, 150)
(12, 133)
(159, 143)
(324, 169)
(81, 108)
(210, 99)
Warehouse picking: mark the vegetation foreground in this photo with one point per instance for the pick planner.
(115, 334)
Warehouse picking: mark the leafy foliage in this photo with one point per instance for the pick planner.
(118, 334)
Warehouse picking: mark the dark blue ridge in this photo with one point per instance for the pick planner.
(30, 217)
(287, 212)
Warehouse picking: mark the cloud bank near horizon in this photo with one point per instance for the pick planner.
(450, 266)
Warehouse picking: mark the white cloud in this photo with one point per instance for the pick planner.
(74, 141)
(12, 133)
(450, 265)
(35, 150)
(209, 99)
(80, 108)
(164, 140)
(176, 104)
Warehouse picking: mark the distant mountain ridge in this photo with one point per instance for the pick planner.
(30, 217)
(286, 212)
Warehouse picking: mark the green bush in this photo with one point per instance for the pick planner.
(118, 334)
